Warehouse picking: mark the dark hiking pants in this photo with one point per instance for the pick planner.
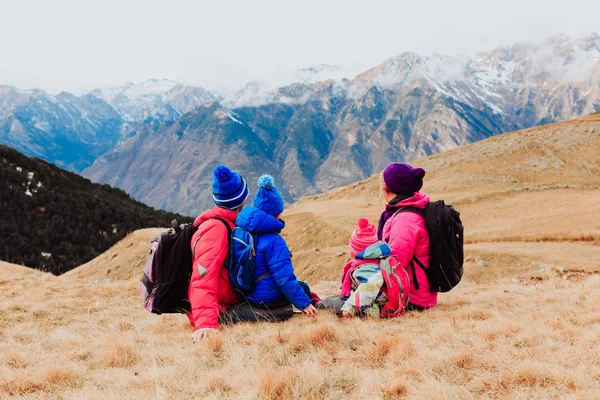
(272, 311)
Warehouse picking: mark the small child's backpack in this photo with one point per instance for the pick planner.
(168, 269)
(395, 276)
(242, 261)
(445, 231)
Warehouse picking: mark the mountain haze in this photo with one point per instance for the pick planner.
(73, 131)
(159, 140)
(317, 136)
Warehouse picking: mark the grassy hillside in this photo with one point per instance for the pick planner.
(522, 324)
(54, 220)
(512, 340)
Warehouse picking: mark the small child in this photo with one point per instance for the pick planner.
(276, 283)
(361, 278)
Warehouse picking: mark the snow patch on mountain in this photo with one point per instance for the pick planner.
(160, 99)
(141, 91)
(231, 117)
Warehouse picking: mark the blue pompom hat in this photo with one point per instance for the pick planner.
(229, 188)
(268, 198)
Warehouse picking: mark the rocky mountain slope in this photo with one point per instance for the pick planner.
(317, 136)
(161, 99)
(156, 140)
(515, 192)
(73, 131)
(67, 130)
(55, 220)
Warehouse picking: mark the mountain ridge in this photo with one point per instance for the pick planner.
(312, 136)
(318, 136)
(506, 173)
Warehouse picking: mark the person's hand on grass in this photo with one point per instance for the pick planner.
(202, 333)
(311, 311)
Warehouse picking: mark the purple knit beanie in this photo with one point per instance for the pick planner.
(402, 178)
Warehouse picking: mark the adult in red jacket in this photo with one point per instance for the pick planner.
(210, 291)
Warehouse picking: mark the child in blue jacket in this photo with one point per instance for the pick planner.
(276, 284)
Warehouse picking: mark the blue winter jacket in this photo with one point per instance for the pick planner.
(272, 256)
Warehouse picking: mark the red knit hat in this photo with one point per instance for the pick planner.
(362, 237)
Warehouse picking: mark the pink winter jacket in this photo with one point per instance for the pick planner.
(407, 237)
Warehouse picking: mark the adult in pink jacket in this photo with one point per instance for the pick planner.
(405, 232)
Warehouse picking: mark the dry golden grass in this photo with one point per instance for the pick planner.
(499, 340)
(524, 323)
(119, 262)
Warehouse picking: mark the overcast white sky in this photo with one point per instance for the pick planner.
(78, 45)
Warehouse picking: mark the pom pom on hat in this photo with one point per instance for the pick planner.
(268, 198)
(266, 181)
(401, 178)
(419, 173)
(222, 173)
(362, 237)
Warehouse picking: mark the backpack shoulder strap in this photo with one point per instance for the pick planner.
(419, 263)
(414, 273)
(415, 210)
(229, 230)
(263, 276)
(227, 226)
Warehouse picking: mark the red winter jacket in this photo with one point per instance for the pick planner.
(210, 291)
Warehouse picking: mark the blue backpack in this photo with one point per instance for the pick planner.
(242, 261)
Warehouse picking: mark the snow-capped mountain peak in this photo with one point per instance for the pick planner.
(140, 91)
(154, 97)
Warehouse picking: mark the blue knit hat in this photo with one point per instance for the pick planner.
(229, 188)
(268, 197)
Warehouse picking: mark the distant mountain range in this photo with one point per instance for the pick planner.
(55, 220)
(159, 140)
(73, 131)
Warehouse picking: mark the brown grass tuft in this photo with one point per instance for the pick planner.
(59, 376)
(52, 379)
(536, 375)
(214, 343)
(403, 348)
(216, 384)
(321, 335)
(272, 384)
(395, 389)
(475, 313)
(80, 355)
(125, 326)
(120, 355)
(15, 359)
(592, 238)
(464, 360)
(377, 351)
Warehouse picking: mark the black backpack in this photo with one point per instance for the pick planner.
(445, 231)
(168, 269)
